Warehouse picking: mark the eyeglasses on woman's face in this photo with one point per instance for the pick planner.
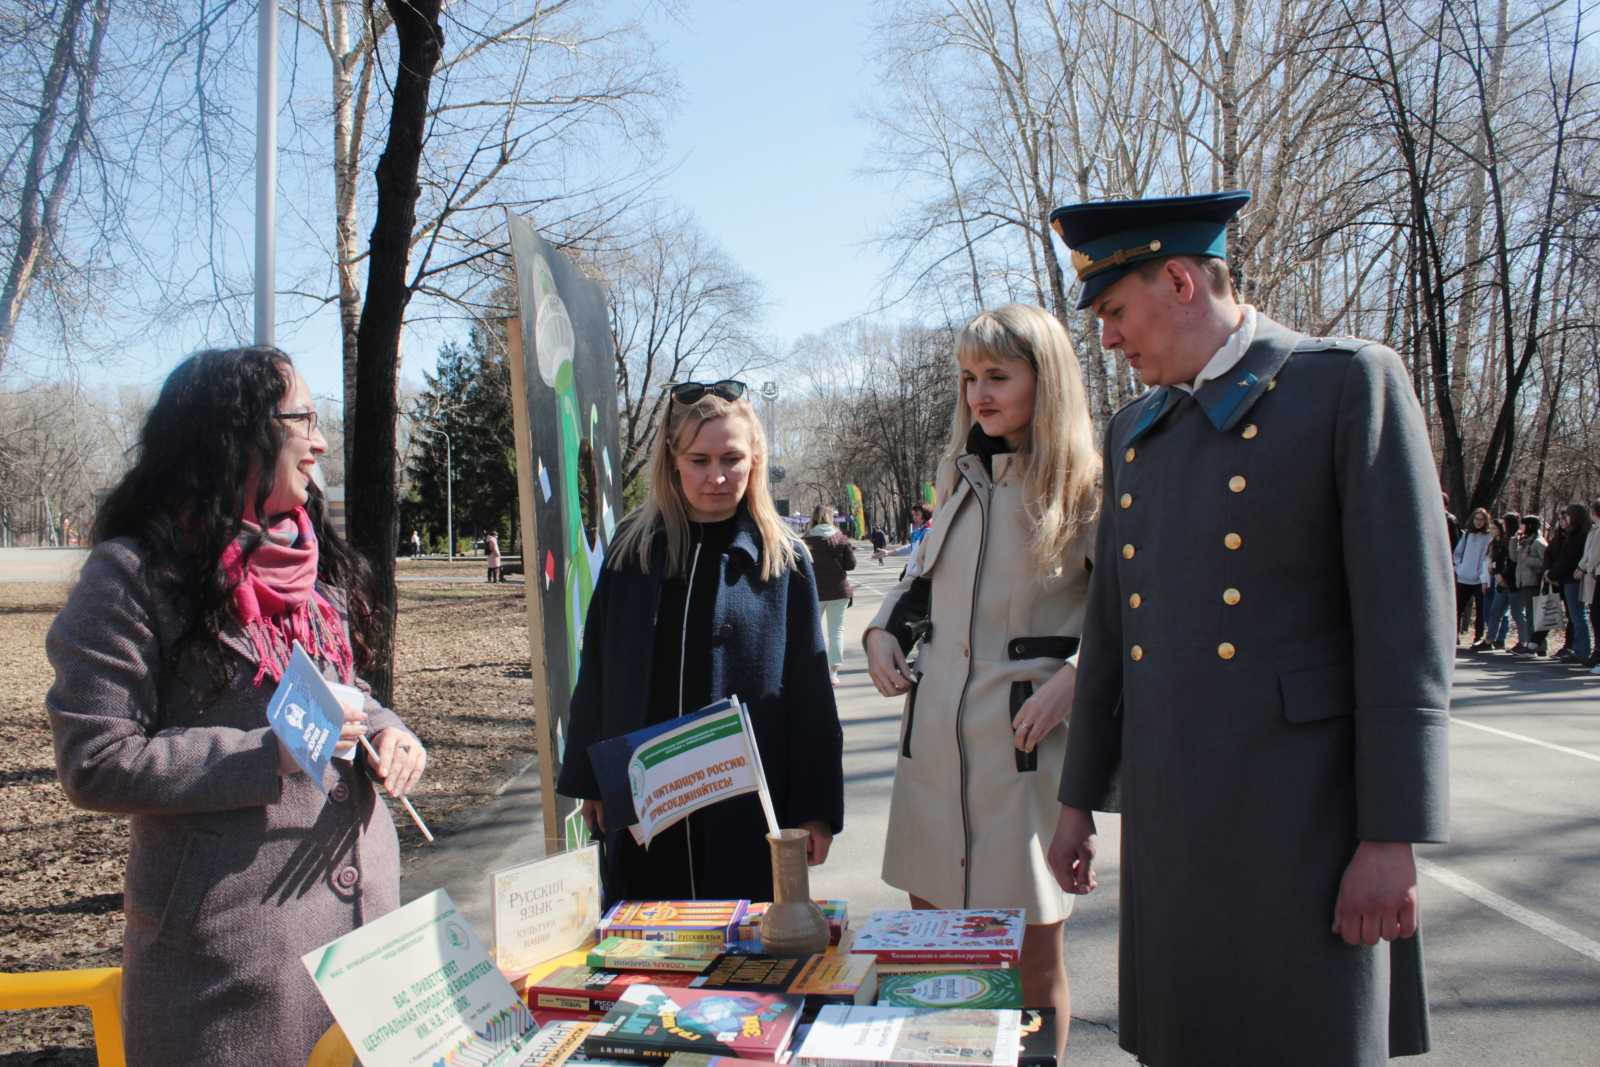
(306, 419)
(690, 392)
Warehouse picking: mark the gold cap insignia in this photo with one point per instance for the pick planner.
(1088, 268)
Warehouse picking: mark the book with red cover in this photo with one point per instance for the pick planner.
(588, 990)
(650, 1023)
(969, 935)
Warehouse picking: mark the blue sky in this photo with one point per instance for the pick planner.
(769, 145)
(773, 144)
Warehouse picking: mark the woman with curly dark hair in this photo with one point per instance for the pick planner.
(212, 558)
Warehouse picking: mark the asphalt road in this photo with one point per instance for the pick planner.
(1511, 906)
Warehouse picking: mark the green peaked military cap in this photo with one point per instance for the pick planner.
(1108, 237)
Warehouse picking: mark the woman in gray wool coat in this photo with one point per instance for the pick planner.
(211, 559)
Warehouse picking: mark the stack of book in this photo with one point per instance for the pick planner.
(676, 982)
(932, 940)
(748, 934)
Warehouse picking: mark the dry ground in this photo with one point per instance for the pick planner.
(463, 686)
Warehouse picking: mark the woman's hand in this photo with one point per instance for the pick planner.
(400, 762)
(886, 664)
(351, 702)
(593, 814)
(1045, 710)
(819, 841)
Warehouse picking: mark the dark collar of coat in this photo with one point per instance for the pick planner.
(746, 539)
(1228, 399)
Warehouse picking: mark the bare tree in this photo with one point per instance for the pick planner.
(373, 507)
(50, 153)
(680, 309)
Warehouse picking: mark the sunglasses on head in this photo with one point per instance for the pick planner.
(690, 392)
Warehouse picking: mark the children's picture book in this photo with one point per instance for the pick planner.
(650, 1023)
(1000, 988)
(626, 954)
(849, 1036)
(589, 990)
(837, 912)
(711, 921)
(306, 716)
(970, 935)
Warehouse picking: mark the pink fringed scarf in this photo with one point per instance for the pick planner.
(277, 599)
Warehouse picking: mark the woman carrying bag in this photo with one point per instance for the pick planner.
(1568, 579)
(706, 594)
(1006, 565)
(832, 558)
(212, 557)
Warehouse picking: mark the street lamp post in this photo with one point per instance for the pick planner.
(449, 502)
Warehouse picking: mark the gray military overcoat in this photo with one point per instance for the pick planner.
(1272, 692)
(233, 871)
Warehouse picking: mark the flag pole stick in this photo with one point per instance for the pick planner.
(411, 811)
(761, 772)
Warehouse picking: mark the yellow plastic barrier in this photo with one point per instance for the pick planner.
(333, 1050)
(99, 989)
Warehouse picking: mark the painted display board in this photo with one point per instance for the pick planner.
(564, 387)
(856, 506)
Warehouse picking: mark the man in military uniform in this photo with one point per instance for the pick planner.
(1263, 690)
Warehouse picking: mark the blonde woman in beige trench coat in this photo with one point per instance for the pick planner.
(1006, 570)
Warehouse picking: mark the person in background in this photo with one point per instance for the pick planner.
(831, 558)
(707, 594)
(213, 556)
(1451, 528)
(880, 542)
(1568, 576)
(1503, 578)
(1590, 565)
(416, 544)
(1471, 557)
(1006, 570)
(491, 549)
(1530, 556)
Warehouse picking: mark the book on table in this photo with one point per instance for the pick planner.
(589, 990)
(709, 921)
(837, 912)
(651, 1023)
(943, 936)
(626, 954)
(998, 988)
(826, 978)
(851, 1036)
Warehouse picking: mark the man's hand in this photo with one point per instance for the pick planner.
(886, 664)
(818, 843)
(1378, 894)
(1045, 710)
(1071, 854)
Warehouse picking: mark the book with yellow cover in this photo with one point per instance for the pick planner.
(710, 921)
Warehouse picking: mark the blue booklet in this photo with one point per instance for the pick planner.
(306, 715)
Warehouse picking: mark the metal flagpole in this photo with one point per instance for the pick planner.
(266, 168)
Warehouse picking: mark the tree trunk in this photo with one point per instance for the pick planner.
(38, 208)
(373, 504)
(346, 163)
